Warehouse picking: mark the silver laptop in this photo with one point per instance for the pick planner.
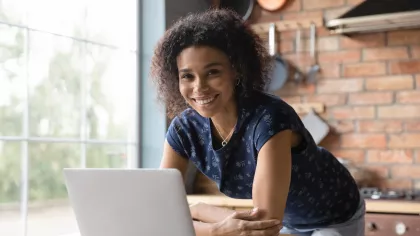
(129, 202)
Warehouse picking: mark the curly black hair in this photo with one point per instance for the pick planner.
(222, 29)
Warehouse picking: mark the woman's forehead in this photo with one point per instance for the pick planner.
(201, 57)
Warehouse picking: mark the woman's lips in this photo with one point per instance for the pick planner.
(204, 100)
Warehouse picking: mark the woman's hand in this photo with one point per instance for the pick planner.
(246, 223)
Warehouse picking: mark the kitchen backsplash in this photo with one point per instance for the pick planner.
(370, 85)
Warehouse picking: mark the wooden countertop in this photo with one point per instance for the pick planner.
(378, 206)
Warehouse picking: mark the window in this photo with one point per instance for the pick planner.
(68, 84)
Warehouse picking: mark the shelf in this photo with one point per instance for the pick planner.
(287, 25)
(303, 108)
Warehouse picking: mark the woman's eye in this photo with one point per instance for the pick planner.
(186, 76)
(214, 72)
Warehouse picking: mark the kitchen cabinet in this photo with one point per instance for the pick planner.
(383, 217)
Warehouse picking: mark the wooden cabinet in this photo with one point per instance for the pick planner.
(384, 224)
(383, 217)
(392, 225)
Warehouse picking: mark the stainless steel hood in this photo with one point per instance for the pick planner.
(377, 16)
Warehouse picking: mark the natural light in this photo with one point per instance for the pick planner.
(68, 75)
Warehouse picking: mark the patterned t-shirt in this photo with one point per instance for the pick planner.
(322, 191)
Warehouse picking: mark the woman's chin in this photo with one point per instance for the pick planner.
(205, 113)
(207, 110)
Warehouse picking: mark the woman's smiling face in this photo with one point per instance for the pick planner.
(206, 79)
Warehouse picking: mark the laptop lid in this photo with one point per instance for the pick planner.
(129, 202)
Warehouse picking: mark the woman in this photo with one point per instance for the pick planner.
(210, 70)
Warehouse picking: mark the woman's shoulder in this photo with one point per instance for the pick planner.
(183, 131)
(186, 122)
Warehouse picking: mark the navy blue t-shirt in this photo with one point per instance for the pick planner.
(322, 191)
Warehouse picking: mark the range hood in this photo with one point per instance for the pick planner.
(377, 16)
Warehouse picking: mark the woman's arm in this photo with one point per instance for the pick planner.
(172, 159)
(272, 176)
(208, 213)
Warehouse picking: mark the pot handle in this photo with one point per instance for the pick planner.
(272, 39)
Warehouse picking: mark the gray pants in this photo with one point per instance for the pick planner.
(353, 227)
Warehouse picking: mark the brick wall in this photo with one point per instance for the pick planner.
(370, 85)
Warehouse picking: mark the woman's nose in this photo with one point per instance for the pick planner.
(201, 84)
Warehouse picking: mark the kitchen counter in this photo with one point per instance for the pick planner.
(374, 206)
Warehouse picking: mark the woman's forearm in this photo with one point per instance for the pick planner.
(208, 213)
(202, 229)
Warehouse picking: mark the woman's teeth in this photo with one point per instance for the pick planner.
(204, 101)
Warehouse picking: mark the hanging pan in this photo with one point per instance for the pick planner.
(279, 74)
(242, 7)
(271, 5)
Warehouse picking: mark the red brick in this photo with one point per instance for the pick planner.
(363, 41)
(399, 184)
(390, 83)
(376, 54)
(408, 97)
(415, 52)
(291, 99)
(339, 85)
(403, 171)
(353, 155)
(326, 44)
(390, 156)
(404, 67)
(404, 37)
(340, 56)
(302, 15)
(330, 71)
(363, 140)
(323, 44)
(417, 154)
(286, 46)
(364, 69)
(293, 89)
(405, 140)
(360, 112)
(342, 126)
(319, 4)
(354, 2)
(399, 111)
(412, 126)
(378, 170)
(299, 59)
(370, 98)
(418, 81)
(328, 99)
(292, 6)
(380, 126)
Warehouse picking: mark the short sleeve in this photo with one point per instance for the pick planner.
(176, 137)
(273, 120)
